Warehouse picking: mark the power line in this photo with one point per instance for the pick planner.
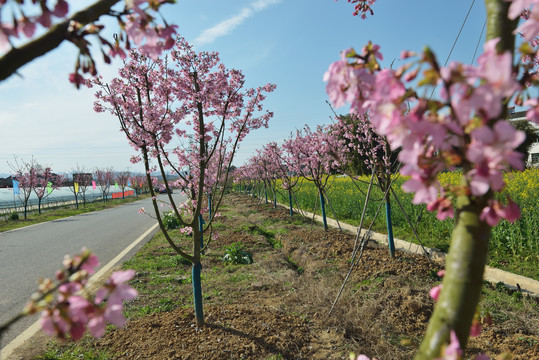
(479, 41)
(460, 31)
(455, 42)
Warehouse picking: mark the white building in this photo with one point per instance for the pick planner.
(533, 153)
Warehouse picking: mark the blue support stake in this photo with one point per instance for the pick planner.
(197, 293)
(266, 194)
(323, 208)
(290, 202)
(390, 241)
(209, 206)
(201, 223)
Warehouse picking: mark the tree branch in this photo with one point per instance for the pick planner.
(18, 57)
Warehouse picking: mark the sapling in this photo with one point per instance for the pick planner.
(186, 114)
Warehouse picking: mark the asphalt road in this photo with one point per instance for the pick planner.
(37, 251)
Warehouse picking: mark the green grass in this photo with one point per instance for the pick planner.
(73, 351)
(502, 303)
(269, 235)
(60, 213)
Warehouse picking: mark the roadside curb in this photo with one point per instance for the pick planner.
(513, 281)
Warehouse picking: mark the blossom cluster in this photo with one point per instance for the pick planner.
(361, 138)
(70, 313)
(314, 153)
(464, 128)
(362, 7)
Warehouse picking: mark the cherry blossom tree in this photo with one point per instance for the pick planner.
(137, 183)
(21, 19)
(260, 170)
(122, 178)
(363, 142)
(81, 180)
(277, 158)
(188, 116)
(463, 126)
(36, 178)
(314, 154)
(22, 174)
(45, 182)
(103, 178)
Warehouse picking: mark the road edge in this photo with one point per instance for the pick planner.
(14, 344)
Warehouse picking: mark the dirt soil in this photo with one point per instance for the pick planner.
(277, 307)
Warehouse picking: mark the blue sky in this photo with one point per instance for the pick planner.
(287, 42)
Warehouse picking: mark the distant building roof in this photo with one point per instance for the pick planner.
(6, 182)
(517, 115)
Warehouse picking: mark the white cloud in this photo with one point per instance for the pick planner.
(225, 27)
(262, 4)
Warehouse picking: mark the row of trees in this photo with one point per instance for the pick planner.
(32, 177)
(348, 146)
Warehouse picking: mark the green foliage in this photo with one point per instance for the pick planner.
(299, 269)
(170, 220)
(235, 254)
(13, 216)
(267, 234)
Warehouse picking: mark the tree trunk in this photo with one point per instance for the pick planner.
(323, 209)
(465, 263)
(461, 287)
(290, 202)
(390, 240)
(195, 275)
(197, 294)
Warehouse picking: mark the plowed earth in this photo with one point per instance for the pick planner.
(277, 307)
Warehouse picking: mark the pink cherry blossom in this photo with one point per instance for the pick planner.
(61, 9)
(443, 206)
(495, 211)
(475, 330)
(430, 141)
(453, 351)
(435, 292)
(530, 27)
(115, 291)
(362, 7)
